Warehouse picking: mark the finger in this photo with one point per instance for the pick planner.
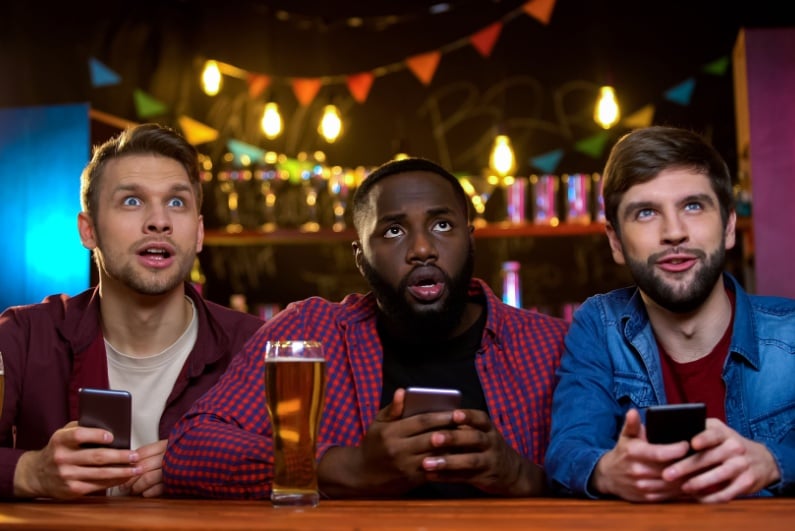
(474, 418)
(632, 425)
(394, 410)
(153, 449)
(104, 457)
(146, 482)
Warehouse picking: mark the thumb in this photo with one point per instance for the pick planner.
(394, 410)
(633, 428)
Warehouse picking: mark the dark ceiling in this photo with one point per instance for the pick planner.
(538, 84)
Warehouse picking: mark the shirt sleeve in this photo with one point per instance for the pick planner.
(585, 415)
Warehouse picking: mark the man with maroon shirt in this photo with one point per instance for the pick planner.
(687, 332)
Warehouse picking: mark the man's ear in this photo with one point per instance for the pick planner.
(85, 226)
(356, 246)
(616, 247)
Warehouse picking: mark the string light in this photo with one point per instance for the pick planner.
(211, 78)
(331, 124)
(271, 121)
(502, 160)
(606, 113)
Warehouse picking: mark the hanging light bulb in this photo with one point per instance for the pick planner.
(271, 121)
(331, 124)
(606, 113)
(502, 160)
(211, 78)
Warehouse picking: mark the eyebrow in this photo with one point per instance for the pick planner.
(177, 188)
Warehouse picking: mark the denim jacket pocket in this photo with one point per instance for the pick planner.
(776, 425)
(631, 390)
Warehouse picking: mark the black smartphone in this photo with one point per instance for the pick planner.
(675, 422)
(109, 409)
(428, 399)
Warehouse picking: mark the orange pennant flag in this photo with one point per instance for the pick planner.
(540, 10)
(359, 85)
(305, 89)
(196, 132)
(257, 83)
(424, 65)
(484, 40)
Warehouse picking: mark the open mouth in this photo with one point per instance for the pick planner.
(426, 284)
(155, 253)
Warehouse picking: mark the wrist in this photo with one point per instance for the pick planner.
(25, 483)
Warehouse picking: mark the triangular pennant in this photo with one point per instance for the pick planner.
(257, 83)
(593, 146)
(146, 106)
(547, 162)
(484, 40)
(359, 85)
(424, 65)
(101, 75)
(682, 92)
(305, 89)
(639, 118)
(541, 10)
(196, 132)
(244, 153)
(717, 67)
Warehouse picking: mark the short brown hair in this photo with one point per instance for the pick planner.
(141, 139)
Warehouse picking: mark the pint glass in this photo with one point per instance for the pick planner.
(294, 387)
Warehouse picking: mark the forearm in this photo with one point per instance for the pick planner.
(343, 473)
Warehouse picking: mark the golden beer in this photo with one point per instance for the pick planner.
(294, 394)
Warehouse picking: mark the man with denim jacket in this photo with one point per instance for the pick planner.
(687, 332)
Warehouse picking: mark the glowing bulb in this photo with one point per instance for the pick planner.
(211, 78)
(331, 124)
(502, 160)
(606, 113)
(271, 121)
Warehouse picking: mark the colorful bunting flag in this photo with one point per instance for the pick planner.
(359, 85)
(257, 83)
(305, 89)
(196, 132)
(547, 162)
(682, 92)
(540, 10)
(101, 75)
(146, 106)
(484, 40)
(640, 118)
(244, 153)
(424, 65)
(593, 146)
(717, 67)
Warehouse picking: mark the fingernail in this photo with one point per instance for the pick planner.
(432, 463)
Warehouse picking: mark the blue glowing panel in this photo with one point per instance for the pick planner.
(42, 152)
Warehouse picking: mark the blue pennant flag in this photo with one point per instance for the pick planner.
(547, 162)
(242, 151)
(682, 92)
(101, 75)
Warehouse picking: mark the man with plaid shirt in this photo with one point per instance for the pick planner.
(426, 323)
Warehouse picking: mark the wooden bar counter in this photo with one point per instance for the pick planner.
(488, 515)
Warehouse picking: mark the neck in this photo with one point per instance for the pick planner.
(691, 336)
(143, 325)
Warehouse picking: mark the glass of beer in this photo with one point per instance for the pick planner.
(294, 387)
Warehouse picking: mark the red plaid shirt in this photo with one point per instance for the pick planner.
(223, 447)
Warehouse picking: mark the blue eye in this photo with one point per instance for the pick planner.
(644, 213)
(131, 201)
(176, 202)
(693, 207)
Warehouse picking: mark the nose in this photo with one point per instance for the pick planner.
(674, 230)
(158, 220)
(421, 248)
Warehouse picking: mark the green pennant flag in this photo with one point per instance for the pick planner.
(146, 106)
(717, 67)
(245, 154)
(593, 146)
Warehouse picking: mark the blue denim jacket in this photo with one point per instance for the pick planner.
(611, 364)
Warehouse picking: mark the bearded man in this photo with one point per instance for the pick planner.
(425, 323)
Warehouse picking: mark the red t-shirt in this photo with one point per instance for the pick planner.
(700, 380)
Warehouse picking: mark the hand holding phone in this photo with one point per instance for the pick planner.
(427, 400)
(108, 409)
(675, 422)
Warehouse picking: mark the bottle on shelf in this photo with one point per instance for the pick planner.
(511, 284)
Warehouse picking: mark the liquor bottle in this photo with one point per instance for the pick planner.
(511, 284)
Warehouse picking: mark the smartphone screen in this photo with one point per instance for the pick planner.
(109, 409)
(427, 400)
(675, 422)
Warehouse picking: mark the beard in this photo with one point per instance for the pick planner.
(685, 299)
(141, 280)
(419, 322)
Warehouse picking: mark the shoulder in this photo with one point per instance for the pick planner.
(54, 307)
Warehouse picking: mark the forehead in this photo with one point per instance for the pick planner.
(143, 170)
(421, 189)
(670, 185)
